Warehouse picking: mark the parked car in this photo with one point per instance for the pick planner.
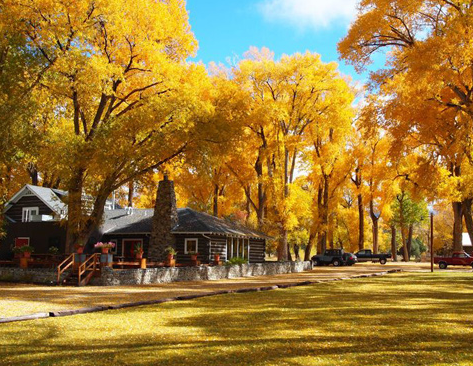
(336, 257)
(367, 255)
(457, 259)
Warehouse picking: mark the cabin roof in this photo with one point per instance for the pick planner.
(189, 222)
(49, 196)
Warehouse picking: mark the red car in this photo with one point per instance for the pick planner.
(457, 259)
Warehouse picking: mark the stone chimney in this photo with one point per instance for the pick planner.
(164, 219)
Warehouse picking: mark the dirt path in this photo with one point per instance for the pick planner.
(22, 299)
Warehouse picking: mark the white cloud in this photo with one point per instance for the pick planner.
(314, 14)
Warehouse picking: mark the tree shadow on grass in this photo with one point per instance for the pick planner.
(421, 322)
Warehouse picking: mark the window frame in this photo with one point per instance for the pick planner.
(186, 251)
(28, 210)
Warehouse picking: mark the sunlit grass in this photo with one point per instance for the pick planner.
(404, 319)
(22, 299)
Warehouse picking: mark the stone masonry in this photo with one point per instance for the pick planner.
(164, 219)
(111, 277)
(120, 277)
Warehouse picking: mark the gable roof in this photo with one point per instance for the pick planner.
(49, 196)
(189, 222)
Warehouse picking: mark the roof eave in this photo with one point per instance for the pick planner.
(215, 233)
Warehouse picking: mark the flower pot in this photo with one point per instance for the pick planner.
(105, 250)
(193, 257)
(217, 258)
(170, 257)
(138, 255)
(26, 255)
(80, 250)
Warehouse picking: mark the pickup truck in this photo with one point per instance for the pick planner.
(366, 255)
(337, 257)
(457, 259)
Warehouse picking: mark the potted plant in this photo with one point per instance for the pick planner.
(27, 250)
(171, 252)
(104, 246)
(138, 250)
(193, 255)
(17, 251)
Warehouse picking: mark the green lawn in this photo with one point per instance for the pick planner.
(408, 319)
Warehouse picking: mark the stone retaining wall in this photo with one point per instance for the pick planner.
(30, 275)
(118, 277)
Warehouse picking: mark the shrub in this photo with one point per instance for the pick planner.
(27, 249)
(236, 260)
(53, 250)
(171, 250)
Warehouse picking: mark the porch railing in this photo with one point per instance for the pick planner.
(64, 265)
(90, 264)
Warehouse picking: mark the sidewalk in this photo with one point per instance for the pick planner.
(21, 299)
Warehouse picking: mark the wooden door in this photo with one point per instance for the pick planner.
(129, 247)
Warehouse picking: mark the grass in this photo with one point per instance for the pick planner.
(407, 319)
(21, 299)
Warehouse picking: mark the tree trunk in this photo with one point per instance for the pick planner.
(215, 200)
(310, 245)
(33, 172)
(457, 226)
(405, 252)
(409, 239)
(282, 247)
(393, 243)
(131, 191)
(289, 255)
(375, 221)
(322, 243)
(361, 223)
(74, 212)
(296, 252)
(260, 212)
(248, 204)
(284, 250)
(468, 218)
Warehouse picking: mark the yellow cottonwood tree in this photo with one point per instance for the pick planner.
(427, 82)
(289, 97)
(123, 96)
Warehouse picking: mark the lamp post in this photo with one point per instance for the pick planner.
(432, 241)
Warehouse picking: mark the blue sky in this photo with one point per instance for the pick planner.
(226, 29)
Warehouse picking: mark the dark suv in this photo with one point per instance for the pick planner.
(337, 257)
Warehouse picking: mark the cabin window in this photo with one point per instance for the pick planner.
(191, 246)
(27, 212)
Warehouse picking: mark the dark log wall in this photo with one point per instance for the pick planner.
(257, 250)
(203, 248)
(16, 211)
(218, 245)
(42, 236)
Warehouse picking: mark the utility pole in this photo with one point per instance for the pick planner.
(432, 241)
